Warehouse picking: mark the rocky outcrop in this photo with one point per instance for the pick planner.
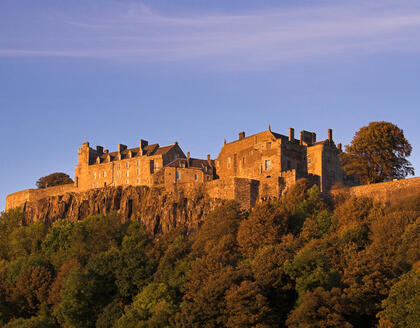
(157, 209)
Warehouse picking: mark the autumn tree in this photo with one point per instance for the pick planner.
(54, 179)
(378, 153)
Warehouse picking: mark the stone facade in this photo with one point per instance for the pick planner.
(249, 169)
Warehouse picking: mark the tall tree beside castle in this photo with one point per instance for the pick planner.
(54, 179)
(378, 153)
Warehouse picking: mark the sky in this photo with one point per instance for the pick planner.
(197, 72)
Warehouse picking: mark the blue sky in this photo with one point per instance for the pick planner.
(197, 72)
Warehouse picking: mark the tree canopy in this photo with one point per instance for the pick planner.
(378, 153)
(54, 179)
(297, 262)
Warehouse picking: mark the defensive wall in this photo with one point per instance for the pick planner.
(385, 192)
(19, 199)
(247, 192)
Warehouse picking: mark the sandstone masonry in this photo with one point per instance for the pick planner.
(249, 169)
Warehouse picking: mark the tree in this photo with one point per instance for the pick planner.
(53, 179)
(401, 308)
(378, 153)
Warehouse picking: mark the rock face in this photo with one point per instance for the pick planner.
(159, 210)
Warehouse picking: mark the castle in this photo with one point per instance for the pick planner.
(249, 169)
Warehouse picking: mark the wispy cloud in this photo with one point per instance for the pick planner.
(253, 39)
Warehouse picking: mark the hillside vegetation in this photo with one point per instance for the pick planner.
(297, 262)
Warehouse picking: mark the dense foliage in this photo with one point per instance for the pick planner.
(54, 179)
(378, 153)
(298, 262)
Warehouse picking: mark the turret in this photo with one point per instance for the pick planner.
(241, 135)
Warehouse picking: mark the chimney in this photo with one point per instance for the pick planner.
(241, 135)
(330, 139)
(142, 145)
(340, 147)
(99, 150)
(85, 145)
(301, 137)
(106, 151)
(224, 142)
(291, 134)
(188, 159)
(208, 159)
(121, 148)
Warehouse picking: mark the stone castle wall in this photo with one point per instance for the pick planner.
(385, 192)
(18, 199)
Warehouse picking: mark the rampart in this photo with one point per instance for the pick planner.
(20, 198)
(385, 192)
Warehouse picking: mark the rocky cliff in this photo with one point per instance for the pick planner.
(157, 209)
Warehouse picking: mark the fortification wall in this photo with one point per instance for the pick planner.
(386, 191)
(18, 199)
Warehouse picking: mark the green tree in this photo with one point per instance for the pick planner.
(402, 307)
(54, 179)
(378, 153)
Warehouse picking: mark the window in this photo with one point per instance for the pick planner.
(309, 160)
(138, 162)
(127, 173)
(152, 166)
(114, 183)
(243, 161)
(268, 145)
(104, 174)
(195, 176)
(94, 175)
(267, 164)
(118, 166)
(138, 171)
(138, 180)
(229, 162)
(118, 175)
(96, 185)
(127, 165)
(177, 175)
(92, 185)
(126, 181)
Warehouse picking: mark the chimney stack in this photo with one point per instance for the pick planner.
(241, 135)
(330, 139)
(121, 148)
(142, 145)
(99, 150)
(340, 147)
(188, 159)
(291, 134)
(208, 159)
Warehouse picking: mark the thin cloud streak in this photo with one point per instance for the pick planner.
(264, 39)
